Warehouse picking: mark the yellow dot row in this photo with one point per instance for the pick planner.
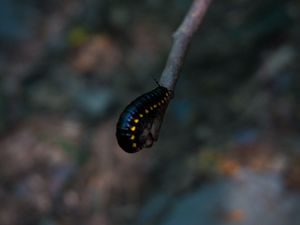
(133, 128)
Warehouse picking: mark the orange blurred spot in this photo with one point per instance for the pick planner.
(235, 216)
(229, 167)
(99, 53)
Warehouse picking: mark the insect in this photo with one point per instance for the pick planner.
(139, 123)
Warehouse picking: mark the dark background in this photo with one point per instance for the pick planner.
(229, 148)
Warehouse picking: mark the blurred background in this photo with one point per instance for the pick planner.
(229, 149)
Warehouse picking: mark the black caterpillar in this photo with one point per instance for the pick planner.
(135, 128)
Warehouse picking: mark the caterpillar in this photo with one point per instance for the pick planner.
(139, 123)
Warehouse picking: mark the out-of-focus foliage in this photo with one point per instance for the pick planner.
(229, 147)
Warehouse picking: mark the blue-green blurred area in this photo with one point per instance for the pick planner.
(229, 149)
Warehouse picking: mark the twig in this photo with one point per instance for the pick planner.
(170, 75)
(182, 38)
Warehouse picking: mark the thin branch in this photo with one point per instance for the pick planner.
(182, 38)
(170, 75)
